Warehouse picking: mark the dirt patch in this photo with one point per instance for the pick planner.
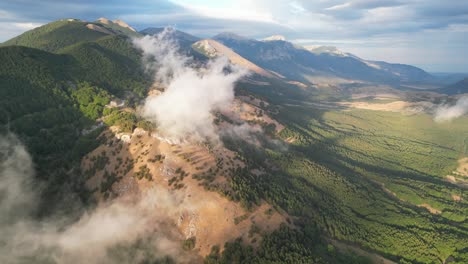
(242, 111)
(456, 198)
(460, 174)
(397, 106)
(462, 169)
(100, 29)
(431, 209)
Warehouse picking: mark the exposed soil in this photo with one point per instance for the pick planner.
(431, 209)
(396, 106)
(206, 215)
(98, 28)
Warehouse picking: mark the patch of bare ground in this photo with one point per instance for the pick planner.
(457, 181)
(246, 109)
(460, 174)
(431, 209)
(376, 96)
(456, 197)
(396, 106)
(99, 28)
(193, 174)
(462, 169)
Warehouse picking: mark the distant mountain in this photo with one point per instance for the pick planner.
(212, 48)
(446, 78)
(304, 64)
(460, 87)
(406, 73)
(62, 33)
(184, 39)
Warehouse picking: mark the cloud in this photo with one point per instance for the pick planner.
(107, 234)
(184, 110)
(446, 113)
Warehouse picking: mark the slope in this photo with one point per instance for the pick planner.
(110, 62)
(460, 87)
(63, 33)
(301, 64)
(184, 39)
(212, 48)
(56, 35)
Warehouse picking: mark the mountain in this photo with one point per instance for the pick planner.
(60, 34)
(183, 39)
(460, 87)
(304, 64)
(212, 48)
(406, 73)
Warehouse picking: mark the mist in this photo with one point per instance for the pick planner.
(185, 109)
(106, 234)
(446, 112)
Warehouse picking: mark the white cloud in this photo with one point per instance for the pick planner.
(241, 10)
(61, 239)
(446, 113)
(196, 93)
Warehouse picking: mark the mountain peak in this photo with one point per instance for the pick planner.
(275, 38)
(123, 24)
(104, 20)
(229, 35)
(118, 22)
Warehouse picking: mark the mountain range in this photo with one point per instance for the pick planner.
(275, 55)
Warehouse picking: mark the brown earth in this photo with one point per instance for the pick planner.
(396, 106)
(206, 215)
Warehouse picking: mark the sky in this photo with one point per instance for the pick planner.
(431, 34)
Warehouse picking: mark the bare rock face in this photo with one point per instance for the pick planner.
(119, 22)
(123, 24)
(100, 29)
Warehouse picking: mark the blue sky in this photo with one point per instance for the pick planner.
(432, 34)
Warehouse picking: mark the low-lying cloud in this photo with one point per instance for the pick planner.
(185, 109)
(106, 234)
(446, 112)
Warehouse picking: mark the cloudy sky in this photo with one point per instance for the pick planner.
(432, 34)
